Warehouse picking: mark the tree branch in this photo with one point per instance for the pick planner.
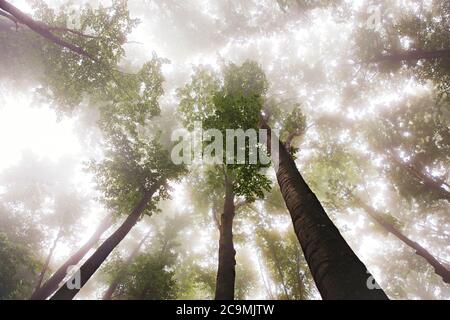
(412, 55)
(68, 30)
(40, 28)
(10, 17)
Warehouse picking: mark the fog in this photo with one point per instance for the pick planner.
(372, 140)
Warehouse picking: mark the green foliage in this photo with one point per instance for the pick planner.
(69, 77)
(133, 99)
(18, 270)
(66, 79)
(430, 32)
(204, 278)
(415, 132)
(331, 174)
(400, 31)
(148, 279)
(286, 264)
(234, 102)
(132, 167)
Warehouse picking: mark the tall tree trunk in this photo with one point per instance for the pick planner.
(47, 260)
(53, 282)
(115, 283)
(414, 55)
(226, 269)
(94, 262)
(337, 271)
(439, 269)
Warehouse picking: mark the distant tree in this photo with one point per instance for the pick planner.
(148, 279)
(51, 285)
(347, 175)
(164, 244)
(135, 172)
(234, 105)
(284, 260)
(414, 139)
(416, 39)
(134, 177)
(18, 270)
(40, 190)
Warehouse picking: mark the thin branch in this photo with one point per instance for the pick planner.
(413, 55)
(75, 32)
(41, 29)
(10, 17)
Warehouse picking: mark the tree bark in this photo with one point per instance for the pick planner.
(439, 269)
(226, 269)
(115, 283)
(414, 55)
(53, 282)
(94, 262)
(47, 260)
(337, 271)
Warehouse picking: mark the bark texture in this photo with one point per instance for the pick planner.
(226, 269)
(337, 271)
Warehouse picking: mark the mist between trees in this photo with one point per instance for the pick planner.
(270, 149)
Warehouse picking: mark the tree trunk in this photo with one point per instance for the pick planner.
(337, 271)
(226, 269)
(414, 55)
(53, 282)
(47, 260)
(94, 262)
(115, 283)
(439, 269)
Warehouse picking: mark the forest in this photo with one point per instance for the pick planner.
(225, 150)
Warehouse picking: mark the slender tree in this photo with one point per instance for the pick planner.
(233, 105)
(47, 261)
(438, 267)
(51, 285)
(133, 178)
(115, 283)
